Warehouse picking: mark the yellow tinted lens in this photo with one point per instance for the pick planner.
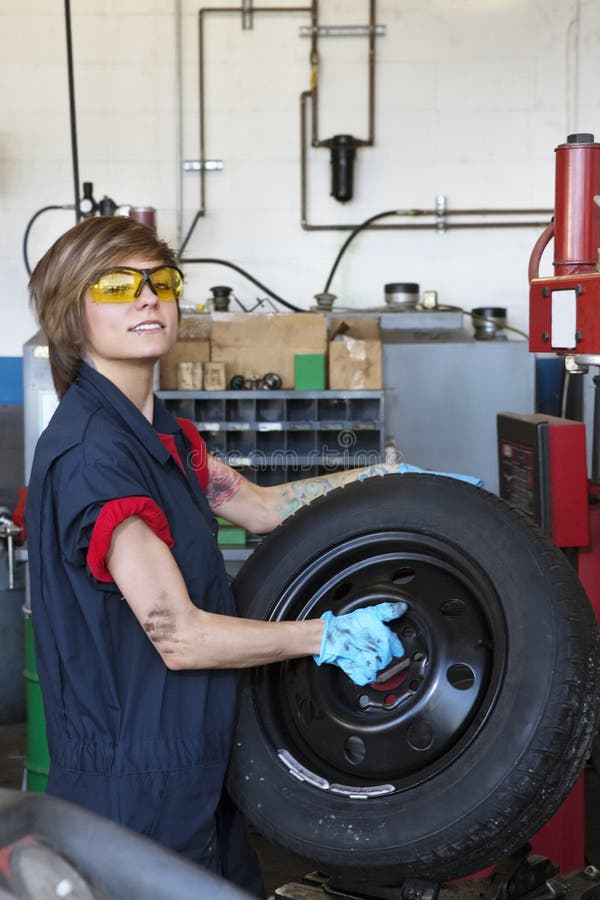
(167, 282)
(117, 286)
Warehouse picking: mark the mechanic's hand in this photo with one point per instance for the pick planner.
(405, 468)
(359, 642)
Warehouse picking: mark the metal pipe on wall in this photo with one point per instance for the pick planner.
(410, 213)
(247, 11)
(371, 139)
(439, 220)
(240, 10)
(314, 79)
(72, 116)
(178, 124)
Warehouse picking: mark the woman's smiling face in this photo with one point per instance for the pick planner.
(143, 329)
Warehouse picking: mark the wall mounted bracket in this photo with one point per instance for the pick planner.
(342, 30)
(203, 165)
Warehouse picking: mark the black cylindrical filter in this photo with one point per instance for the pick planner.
(107, 206)
(343, 153)
(221, 297)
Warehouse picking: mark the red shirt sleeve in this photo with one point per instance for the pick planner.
(199, 455)
(112, 514)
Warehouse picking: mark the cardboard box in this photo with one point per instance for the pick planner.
(214, 376)
(194, 326)
(189, 376)
(183, 351)
(256, 343)
(355, 354)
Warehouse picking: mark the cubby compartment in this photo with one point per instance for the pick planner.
(301, 444)
(332, 412)
(365, 412)
(271, 442)
(266, 476)
(240, 410)
(209, 409)
(240, 443)
(181, 407)
(301, 411)
(278, 436)
(271, 409)
(307, 471)
(337, 447)
(216, 442)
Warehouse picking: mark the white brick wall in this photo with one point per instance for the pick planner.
(472, 98)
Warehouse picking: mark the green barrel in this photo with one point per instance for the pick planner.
(37, 763)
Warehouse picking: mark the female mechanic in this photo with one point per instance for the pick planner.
(137, 639)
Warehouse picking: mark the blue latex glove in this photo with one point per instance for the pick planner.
(404, 468)
(359, 642)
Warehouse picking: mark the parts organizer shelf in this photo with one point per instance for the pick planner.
(278, 436)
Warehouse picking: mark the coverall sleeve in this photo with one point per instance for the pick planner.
(92, 498)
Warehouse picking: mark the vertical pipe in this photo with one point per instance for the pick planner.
(201, 110)
(74, 151)
(178, 126)
(314, 79)
(246, 14)
(303, 212)
(314, 71)
(371, 138)
(572, 68)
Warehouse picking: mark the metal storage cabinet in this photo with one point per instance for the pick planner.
(278, 436)
(443, 396)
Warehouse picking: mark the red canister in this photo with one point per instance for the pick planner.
(144, 214)
(577, 209)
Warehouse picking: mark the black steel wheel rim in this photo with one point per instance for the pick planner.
(404, 729)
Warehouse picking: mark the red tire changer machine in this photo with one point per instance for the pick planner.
(542, 459)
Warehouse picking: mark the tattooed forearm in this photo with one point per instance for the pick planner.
(299, 493)
(223, 482)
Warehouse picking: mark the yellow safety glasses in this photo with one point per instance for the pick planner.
(123, 284)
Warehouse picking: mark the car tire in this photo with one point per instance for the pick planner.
(460, 757)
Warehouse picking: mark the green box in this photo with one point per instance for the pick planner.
(230, 534)
(309, 372)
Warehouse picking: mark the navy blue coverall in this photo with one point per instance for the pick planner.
(128, 738)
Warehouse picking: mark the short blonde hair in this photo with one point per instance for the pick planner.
(59, 281)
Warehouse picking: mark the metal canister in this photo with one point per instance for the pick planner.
(402, 294)
(488, 322)
(144, 214)
(577, 212)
